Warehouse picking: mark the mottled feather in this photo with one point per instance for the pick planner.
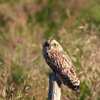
(60, 63)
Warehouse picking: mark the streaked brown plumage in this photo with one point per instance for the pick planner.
(61, 64)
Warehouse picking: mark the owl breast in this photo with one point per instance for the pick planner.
(56, 61)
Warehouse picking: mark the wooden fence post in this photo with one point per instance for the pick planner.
(54, 92)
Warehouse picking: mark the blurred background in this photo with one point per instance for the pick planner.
(25, 24)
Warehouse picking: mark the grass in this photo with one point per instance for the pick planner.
(85, 91)
(90, 14)
(46, 17)
(18, 74)
(21, 40)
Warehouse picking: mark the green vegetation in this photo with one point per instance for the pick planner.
(85, 91)
(90, 14)
(25, 24)
(18, 74)
(48, 17)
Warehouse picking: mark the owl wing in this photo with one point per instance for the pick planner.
(62, 65)
(69, 76)
(61, 62)
(67, 66)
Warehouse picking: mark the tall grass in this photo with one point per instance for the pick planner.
(25, 24)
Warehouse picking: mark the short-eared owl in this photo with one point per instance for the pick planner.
(60, 63)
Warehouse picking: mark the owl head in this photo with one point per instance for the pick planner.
(52, 45)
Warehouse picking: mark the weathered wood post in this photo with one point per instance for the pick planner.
(54, 92)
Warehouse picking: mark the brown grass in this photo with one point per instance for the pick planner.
(23, 71)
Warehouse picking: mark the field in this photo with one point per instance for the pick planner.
(26, 24)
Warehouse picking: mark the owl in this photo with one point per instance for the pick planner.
(61, 64)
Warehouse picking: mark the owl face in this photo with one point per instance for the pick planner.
(53, 45)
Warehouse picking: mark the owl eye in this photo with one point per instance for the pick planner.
(55, 44)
